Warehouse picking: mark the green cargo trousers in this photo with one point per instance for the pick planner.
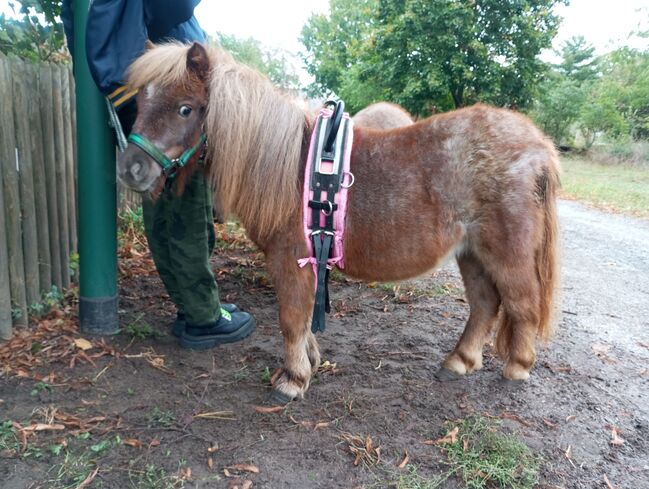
(180, 232)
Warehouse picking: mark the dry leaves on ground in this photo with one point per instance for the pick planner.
(362, 448)
(616, 439)
(451, 437)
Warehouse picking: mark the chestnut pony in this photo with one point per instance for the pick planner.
(477, 183)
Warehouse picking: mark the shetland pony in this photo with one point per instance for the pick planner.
(477, 183)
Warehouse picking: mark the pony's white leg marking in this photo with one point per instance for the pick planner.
(295, 379)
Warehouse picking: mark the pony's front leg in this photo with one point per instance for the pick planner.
(295, 292)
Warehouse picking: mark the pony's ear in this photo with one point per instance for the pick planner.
(198, 61)
(148, 45)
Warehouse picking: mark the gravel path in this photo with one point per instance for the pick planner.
(606, 274)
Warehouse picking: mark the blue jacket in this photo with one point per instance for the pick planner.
(117, 30)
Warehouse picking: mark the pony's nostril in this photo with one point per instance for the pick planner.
(136, 170)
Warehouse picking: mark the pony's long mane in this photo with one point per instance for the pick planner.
(255, 135)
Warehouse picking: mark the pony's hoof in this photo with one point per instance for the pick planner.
(446, 375)
(278, 398)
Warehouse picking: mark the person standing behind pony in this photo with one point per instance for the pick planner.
(178, 226)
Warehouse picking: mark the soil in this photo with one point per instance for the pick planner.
(584, 411)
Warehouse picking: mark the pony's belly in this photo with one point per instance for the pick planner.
(402, 257)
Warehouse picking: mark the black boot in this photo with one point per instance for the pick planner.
(229, 328)
(179, 324)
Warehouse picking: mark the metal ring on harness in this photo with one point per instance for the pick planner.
(352, 179)
(331, 207)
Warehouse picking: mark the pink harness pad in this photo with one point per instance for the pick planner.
(340, 198)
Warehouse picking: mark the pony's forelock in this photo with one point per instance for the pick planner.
(164, 64)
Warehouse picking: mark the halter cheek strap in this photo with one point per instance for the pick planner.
(169, 166)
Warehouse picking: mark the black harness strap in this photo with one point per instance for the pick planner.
(322, 236)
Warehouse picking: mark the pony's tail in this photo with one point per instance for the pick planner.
(546, 264)
(547, 257)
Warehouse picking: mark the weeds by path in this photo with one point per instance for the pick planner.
(613, 187)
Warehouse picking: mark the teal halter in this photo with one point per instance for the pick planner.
(169, 166)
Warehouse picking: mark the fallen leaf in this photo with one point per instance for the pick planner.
(88, 479)
(572, 417)
(405, 461)
(154, 443)
(549, 423)
(227, 473)
(132, 442)
(247, 484)
(228, 415)
(608, 483)
(269, 409)
(210, 463)
(44, 427)
(451, 437)
(83, 343)
(616, 439)
(275, 376)
(244, 468)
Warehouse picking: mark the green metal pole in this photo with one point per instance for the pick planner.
(97, 195)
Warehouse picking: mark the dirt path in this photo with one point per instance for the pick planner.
(384, 347)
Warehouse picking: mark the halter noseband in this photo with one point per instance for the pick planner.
(169, 166)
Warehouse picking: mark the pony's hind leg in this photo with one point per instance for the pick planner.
(483, 302)
(516, 338)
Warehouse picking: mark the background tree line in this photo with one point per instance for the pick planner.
(435, 55)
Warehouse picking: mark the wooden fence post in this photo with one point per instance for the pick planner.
(5, 292)
(70, 129)
(26, 180)
(49, 158)
(40, 186)
(13, 225)
(62, 197)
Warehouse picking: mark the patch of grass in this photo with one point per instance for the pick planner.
(8, 440)
(410, 479)
(266, 375)
(50, 300)
(141, 330)
(131, 221)
(75, 468)
(153, 477)
(40, 387)
(484, 457)
(157, 417)
(617, 187)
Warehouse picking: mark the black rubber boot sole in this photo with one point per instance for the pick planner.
(205, 342)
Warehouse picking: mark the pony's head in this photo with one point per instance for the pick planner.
(168, 135)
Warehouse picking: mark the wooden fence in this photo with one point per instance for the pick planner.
(38, 225)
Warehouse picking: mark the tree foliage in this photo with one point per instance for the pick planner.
(430, 55)
(273, 63)
(36, 33)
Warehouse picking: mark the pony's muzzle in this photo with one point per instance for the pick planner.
(137, 170)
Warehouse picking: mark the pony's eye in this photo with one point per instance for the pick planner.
(185, 110)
